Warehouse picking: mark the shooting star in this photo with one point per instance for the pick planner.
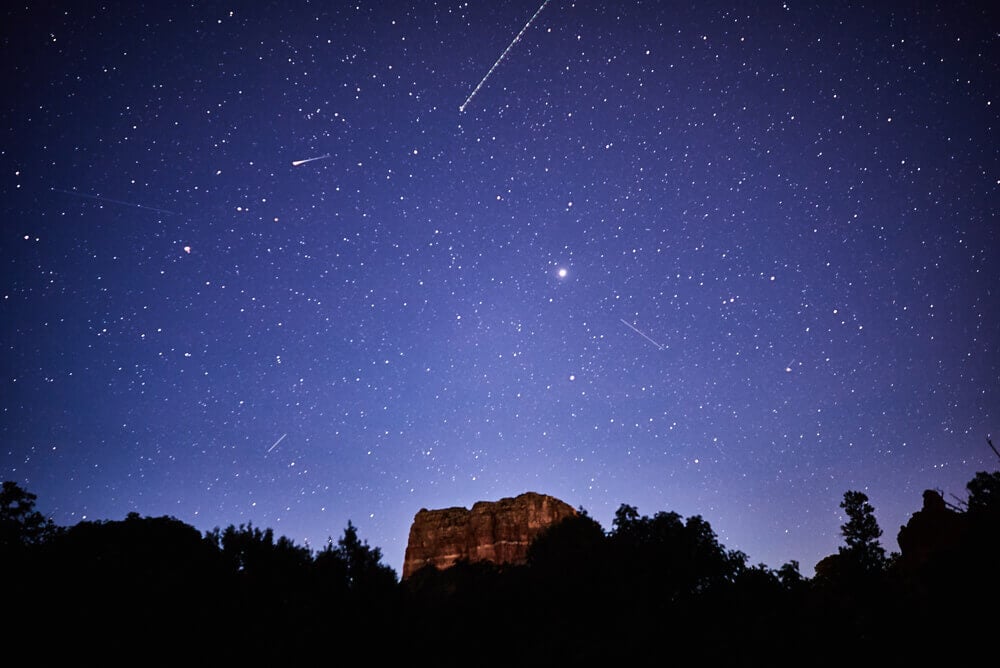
(101, 198)
(626, 323)
(503, 55)
(276, 443)
(296, 163)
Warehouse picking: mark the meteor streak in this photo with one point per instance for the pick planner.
(502, 56)
(276, 443)
(100, 198)
(658, 346)
(296, 163)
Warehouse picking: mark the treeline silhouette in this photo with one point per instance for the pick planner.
(651, 590)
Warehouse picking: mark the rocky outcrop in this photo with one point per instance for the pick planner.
(933, 532)
(495, 531)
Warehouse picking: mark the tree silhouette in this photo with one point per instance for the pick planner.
(626, 519)
(365, 572)
(982, 545)
(984, 493)
(789, 575)
(20, 524)
(861, 533)
(584, 596)
(568, 548)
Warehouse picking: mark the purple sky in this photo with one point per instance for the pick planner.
(725, 259)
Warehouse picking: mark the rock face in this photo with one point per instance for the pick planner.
(495, 531)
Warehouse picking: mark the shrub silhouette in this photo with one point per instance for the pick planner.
(643, 589)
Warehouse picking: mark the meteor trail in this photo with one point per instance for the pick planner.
(99, 198)
(502, 56)
(658, 346)
(296, 163)
(276, 443)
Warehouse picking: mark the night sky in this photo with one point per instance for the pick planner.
(723, 259)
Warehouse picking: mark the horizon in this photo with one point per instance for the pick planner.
(807, 569)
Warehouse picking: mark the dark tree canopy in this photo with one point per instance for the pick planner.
(861, 533)
(984, 493)
(570, 544)
(20, 524)
(254, 552)
(584, 596)
(362, 564)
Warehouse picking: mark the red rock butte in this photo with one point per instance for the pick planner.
(496, 531)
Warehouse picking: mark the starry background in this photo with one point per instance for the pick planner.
(726, 259)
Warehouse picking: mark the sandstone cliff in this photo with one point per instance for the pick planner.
(495, 531)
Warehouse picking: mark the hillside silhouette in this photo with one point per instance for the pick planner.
(649, 590)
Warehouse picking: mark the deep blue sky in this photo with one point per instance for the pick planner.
(777, 225)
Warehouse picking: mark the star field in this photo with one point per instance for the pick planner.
(719, 259)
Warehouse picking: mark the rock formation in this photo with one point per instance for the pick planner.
(933, 532)
(495, 531)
